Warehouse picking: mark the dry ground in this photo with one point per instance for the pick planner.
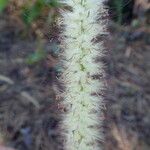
(29, 109)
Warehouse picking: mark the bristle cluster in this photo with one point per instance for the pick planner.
(82, 118)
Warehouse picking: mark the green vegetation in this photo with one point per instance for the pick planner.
(3, 4)
(118, 4)
(31, 13)
(116, 7)
(36, 57)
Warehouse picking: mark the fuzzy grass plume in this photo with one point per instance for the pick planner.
(82, 120)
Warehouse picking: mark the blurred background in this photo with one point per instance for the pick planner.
(29, 67)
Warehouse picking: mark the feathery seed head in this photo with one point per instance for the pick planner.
(82, 118)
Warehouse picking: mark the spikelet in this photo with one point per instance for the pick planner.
(82, 118)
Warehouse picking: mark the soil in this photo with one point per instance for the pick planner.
(129, 93)
(30, 110)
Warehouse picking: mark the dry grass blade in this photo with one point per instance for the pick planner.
(6, 79)
(30, 99)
